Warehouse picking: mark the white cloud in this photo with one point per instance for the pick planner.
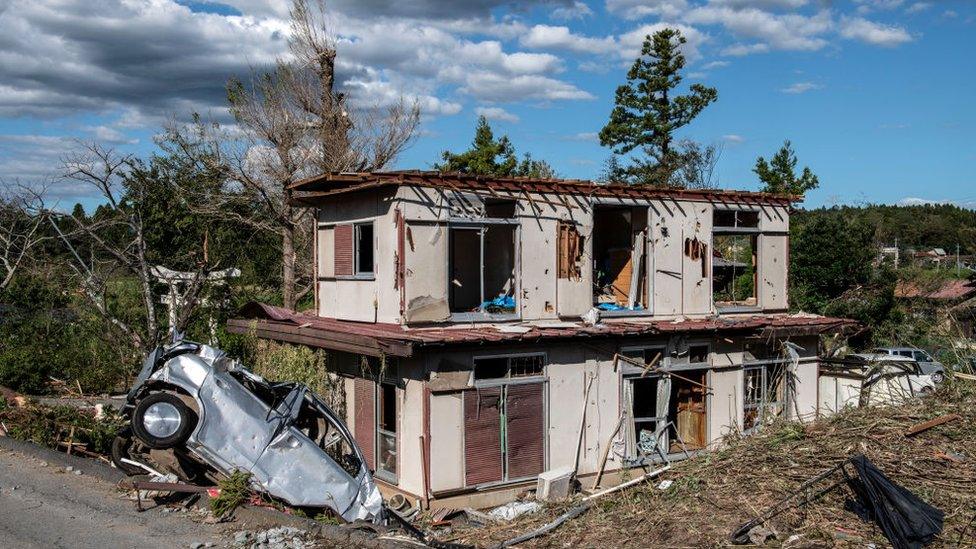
(917, 201)
(494, 87)
(877, 34)
(636, 9)
(559, 37)
(106, 134)
(778, 31)
(496, 113)
(578, 10)
(589, 137)
(764, 4)
(867, 6)
(733, 139)
(950, 14)
(715, 65)
(801, 87)
(630, 43)
(738, 50)
(918, 7)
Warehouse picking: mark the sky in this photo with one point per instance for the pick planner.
(875, 95)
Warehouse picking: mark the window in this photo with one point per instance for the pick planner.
(570, 250)
(734, 258)
(364, 249)
(619, 242)
(386, 431)
(482, 269)
(508, 367)
(763, 398)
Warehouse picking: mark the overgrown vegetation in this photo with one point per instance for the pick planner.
(285, 362)
(56, 426)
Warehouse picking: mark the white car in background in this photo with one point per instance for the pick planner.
(891, 379)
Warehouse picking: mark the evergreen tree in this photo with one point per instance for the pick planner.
(495, 157)
(779, 174)
(647, 112)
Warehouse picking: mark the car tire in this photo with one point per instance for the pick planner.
(121, 445)
(162, 421)
(937, 377)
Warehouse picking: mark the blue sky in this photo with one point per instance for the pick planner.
(874, 94)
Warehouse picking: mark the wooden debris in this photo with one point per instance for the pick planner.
(925, 426)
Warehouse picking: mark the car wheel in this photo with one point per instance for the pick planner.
(121, 445)
(937, 377)
(162, 421)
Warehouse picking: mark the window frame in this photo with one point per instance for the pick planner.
(755, 234)
(481, 226)
(380, 472)
(356, 249)
(508, 379)
(762, 405)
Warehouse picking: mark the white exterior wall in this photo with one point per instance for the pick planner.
(373, 300)
(410, 428)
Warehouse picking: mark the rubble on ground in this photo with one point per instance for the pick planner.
(712, 494)
(282, 537)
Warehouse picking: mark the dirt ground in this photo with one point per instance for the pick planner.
(713, 494)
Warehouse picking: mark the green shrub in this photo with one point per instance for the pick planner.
(285, 362)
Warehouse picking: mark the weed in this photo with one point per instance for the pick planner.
(234, 492)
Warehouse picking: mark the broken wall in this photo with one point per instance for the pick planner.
(682, 233)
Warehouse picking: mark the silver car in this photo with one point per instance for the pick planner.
(925, 361)
(207, 409)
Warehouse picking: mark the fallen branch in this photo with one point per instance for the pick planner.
(918, 428)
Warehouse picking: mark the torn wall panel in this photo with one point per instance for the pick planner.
(426, 280)
(696, 257)
(773, 271)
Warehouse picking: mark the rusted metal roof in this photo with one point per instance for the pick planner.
(271, 322)
(948, 290)
(329, 184)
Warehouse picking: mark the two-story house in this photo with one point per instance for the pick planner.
(491, 329)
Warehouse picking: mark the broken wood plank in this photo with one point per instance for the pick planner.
(925, 426)
(967, 377)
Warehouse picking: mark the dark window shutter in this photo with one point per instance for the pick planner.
(526, 448)
(366, 419)
(343, 250)
(482, 436)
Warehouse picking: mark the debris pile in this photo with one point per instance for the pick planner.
(713, 494)
(282, 537)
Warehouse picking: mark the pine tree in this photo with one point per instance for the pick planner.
(495, 157)
(779, 174)
(647, 113)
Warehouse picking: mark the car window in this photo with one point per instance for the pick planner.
(905, 354)
(922, 356)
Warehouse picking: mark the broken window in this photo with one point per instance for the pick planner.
(647, 404)
(687, 411)
(619, 243)
(734, 258)
(482, 267)
(386, 431)
(570, 250)
(763, 399)
(508, 367)
(364, 249)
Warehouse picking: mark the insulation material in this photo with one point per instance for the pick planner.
(773, 264)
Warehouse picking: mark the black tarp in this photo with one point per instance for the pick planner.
(907, 521)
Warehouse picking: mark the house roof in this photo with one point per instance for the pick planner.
(948, 290)
(269, 322)
(329, 184)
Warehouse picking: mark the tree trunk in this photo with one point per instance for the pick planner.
(288, 266)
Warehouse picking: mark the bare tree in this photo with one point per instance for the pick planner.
(697, 163)
(117, 242)
(293, 124)
(20, 230)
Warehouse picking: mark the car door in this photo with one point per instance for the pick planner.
(295, 469)
(235, 425)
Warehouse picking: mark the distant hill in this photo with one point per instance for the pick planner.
(920, 227)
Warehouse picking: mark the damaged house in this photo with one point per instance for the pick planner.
(453, 307)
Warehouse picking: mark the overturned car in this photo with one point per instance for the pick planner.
(199, 414)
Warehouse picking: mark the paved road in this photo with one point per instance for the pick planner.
(43, 506)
